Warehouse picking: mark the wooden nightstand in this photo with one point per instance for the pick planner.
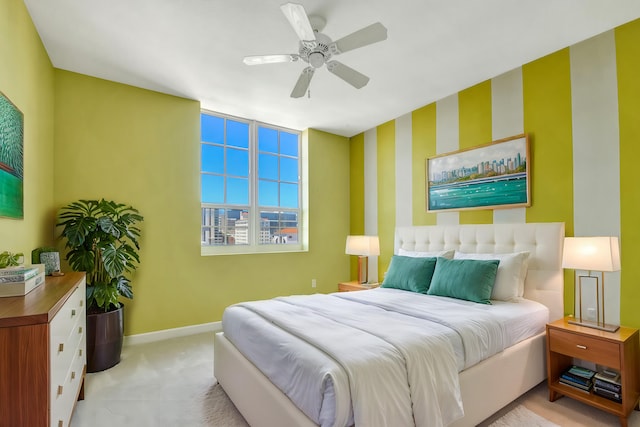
(356, 286)
(616, 350)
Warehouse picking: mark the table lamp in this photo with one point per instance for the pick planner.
(592, 254)
(364, 247)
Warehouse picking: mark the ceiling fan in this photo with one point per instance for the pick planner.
(317, 49)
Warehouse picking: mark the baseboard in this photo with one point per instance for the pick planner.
(172, 333)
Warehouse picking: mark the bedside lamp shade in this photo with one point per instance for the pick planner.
(592, 254)
(364, 247)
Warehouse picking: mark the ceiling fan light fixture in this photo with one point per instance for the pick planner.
(316, 59)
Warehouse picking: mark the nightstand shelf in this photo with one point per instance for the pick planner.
(569, 344)
(354, 285)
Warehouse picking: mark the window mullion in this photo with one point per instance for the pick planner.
(254, 213)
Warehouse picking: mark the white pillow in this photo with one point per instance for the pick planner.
(512, 271)
(434, 254)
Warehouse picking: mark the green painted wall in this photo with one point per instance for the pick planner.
(628, 61)
(142, 147)
(423, 133)
(26, 78)
(547, 119)
(356, 191)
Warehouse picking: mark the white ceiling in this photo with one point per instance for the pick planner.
(194, 49)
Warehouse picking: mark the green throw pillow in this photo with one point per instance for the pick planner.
(409, 274)
(467, 279)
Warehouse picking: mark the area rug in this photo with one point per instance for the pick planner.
(522, 417)
(218, 410)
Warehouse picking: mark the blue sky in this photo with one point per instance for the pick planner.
(472, 157)
(271, 191)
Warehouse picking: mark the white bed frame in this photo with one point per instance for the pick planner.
(515, 370)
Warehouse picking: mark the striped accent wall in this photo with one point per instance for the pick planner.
(579, 106)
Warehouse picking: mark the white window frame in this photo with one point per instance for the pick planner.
(254, 247)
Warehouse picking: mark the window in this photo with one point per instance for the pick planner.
(251, 186)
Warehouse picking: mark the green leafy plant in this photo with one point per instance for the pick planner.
(9, 259)
(102, 238)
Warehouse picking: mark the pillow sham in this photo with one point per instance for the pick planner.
(409, 274)
(468, 279)
(512, 272)
(431, 254)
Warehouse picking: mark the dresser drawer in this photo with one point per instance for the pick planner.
(63, 398)
(586, 348)
(67, 343)
(69, 313)
(63, 353)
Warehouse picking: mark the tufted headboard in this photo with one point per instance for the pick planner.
(545, 278)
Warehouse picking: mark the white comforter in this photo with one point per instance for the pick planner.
(396, 365)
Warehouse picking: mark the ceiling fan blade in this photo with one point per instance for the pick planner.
(299, 20)
(368, 35)
(270, 59)
(303, 83)
(348, 74)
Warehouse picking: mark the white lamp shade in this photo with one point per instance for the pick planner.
(363, 245)
(591, 253)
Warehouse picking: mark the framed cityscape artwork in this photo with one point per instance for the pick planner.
(489, 176)
(11, 159)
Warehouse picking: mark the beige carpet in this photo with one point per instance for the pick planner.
(521, 416)
(220, 410)
(170, 383)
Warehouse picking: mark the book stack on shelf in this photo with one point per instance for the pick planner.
(606, 383)
(578, 377)
(18, 281)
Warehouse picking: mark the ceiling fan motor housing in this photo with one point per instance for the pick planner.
(316, 52)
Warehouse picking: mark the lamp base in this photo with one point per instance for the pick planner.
(363, 269)
(595, 325)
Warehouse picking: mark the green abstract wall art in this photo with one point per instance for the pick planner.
(11, 159)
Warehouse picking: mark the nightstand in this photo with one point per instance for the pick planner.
(616, 350)
(354, 285)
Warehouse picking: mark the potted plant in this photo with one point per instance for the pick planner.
(9, 259)
(102, 238)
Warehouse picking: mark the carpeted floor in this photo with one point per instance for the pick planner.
(170, 383)
(521, 416)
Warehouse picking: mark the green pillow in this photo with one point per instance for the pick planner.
(468, 279)
(409, 274)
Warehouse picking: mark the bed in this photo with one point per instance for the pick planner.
(517, 366)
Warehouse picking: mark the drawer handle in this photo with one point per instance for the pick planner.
(80, 329)
(60, 423)
(81, 303)
(73, 312)
(60, 347)
(80, 352)
(73, 375)
(60, 388)
(582, 347)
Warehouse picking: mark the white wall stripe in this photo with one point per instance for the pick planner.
(596, 137)
(447, 139)
(404, 210)
(371, 193)
(507, 119)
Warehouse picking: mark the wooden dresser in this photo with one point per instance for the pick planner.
(43, 353)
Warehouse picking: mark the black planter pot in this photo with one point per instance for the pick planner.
(105, 334)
